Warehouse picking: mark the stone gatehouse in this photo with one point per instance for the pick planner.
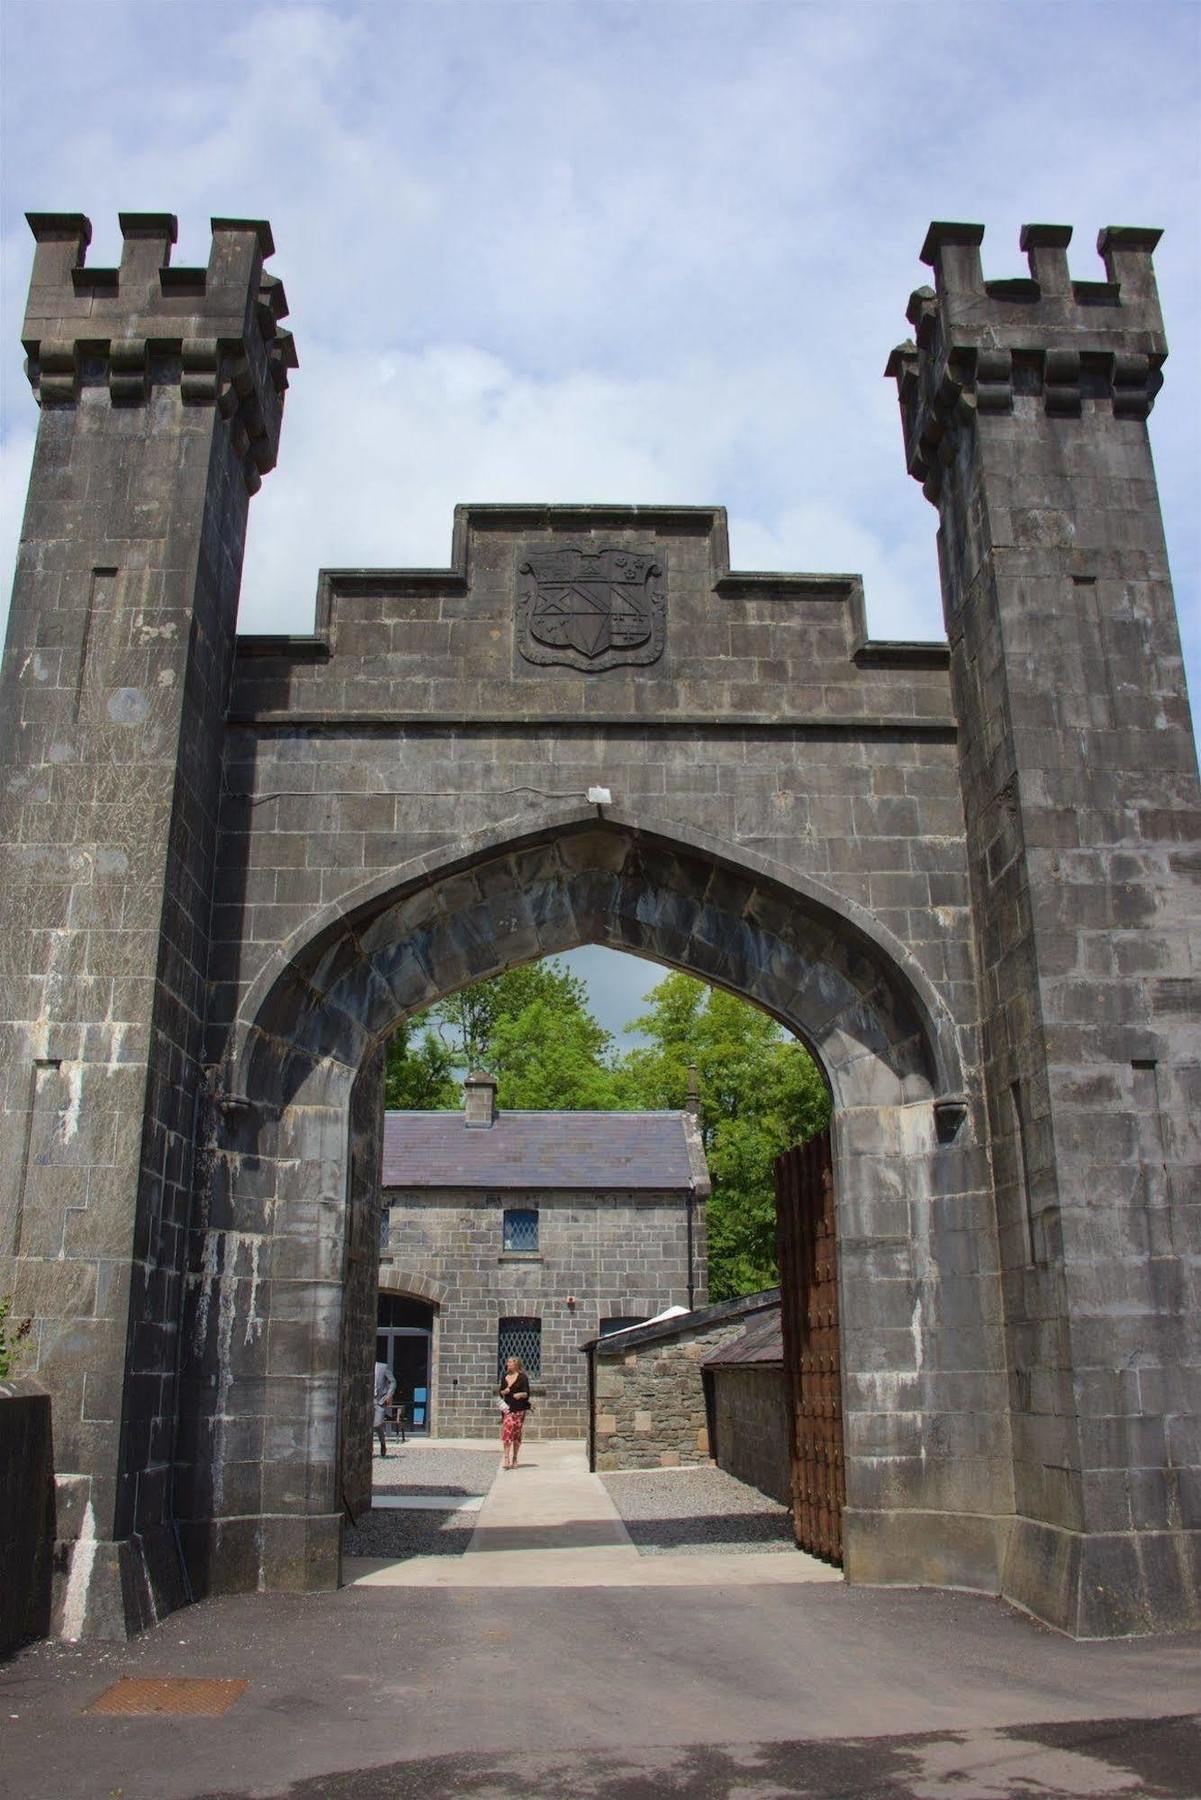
(963, 872)
(524, 1234)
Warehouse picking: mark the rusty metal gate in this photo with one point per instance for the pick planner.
(812, 1364)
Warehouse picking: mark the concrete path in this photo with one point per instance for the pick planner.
(549, 1523)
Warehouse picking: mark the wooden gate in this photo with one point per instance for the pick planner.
(812, 1363)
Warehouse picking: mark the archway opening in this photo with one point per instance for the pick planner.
(305, 1065)
(592, 1178)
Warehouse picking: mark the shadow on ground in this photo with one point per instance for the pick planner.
(1146, 1759)
(721, 1531)
(400, 1535)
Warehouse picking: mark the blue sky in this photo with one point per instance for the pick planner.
(655, 252)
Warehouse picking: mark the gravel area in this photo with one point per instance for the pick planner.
(421, 1468)
(689, 1512)
(425, 1468)
(402, 1534)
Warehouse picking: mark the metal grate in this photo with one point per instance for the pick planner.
(521, 1228)
(523, 1338)
(180, 1697)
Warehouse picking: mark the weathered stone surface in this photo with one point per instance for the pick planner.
(651, 1391)
(1024, 408)
(160, 392)
(231, 870)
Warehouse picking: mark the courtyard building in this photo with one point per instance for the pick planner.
(524, 1234)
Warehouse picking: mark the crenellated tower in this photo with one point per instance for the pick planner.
(161, 392)
(1024, 405)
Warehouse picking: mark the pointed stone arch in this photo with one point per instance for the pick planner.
(815, 960)
(926, 1444)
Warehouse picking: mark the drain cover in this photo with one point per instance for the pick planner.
(180, 1698)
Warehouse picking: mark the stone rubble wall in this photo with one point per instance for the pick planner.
(650, 1401)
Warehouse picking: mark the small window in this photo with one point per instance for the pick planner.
(523, 1338)
(609, 1326)
(521, 1229)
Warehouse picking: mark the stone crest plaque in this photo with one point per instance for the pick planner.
(591, 609)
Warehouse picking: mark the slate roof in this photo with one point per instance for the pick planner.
(538, 1150)
(761, 1342)
(701, 1318)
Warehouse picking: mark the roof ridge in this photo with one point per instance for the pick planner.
(541, 1112)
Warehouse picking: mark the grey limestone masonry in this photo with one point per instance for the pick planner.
(964, 873)
(1024, 404)
(600, 1255)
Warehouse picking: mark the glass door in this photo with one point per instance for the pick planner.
(406, 1350)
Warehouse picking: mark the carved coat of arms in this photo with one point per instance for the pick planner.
(591, 609)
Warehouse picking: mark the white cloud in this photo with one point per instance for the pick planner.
(627, 252)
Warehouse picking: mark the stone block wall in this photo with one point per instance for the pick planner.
(361, 1303)
(116, 676)
(751, 1410)
(650, 1398)
(615, 1254)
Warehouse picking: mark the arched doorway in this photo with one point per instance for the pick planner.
(923, 1366)
(404, 1340)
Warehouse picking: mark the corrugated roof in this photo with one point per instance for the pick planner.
(537, 1150)
(761, 1342)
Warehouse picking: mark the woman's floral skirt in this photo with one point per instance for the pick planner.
(512, 1426)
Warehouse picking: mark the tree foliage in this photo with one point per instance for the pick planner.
(760, 1092)
(532, 1028)
(419, 1073)
(555, 1059)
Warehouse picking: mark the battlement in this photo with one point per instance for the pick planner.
(1048, 300)
(213, 332)
(978, 343)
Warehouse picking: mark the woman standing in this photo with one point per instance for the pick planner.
(515, 1398)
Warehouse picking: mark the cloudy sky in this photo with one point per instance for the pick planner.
(540, 250)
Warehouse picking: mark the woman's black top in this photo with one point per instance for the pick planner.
(518, 1396)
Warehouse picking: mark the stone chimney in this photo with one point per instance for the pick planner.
(692, 1103)
(479, 1105)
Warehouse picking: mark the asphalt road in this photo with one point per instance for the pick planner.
(618, 1693)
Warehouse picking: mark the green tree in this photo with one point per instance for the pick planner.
(467, 1022)
(419, 1075)
(530, 1027)
(760, 1092)
(555, 1058)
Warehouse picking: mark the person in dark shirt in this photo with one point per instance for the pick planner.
(515, 1399)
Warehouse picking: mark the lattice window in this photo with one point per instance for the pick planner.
(523, 1338)
(521, 1228)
